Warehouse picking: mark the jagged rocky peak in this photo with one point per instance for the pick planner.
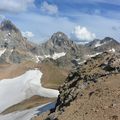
(93, 43)
(59, 35)
(106, 44)
(109, 39)
(59, 39)
(7, 25)
(59, 42)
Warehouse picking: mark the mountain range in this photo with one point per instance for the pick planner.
(59, 47)
(83, 74)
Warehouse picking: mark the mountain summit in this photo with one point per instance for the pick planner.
(59, 39)
(7, 25)
(60, 42)
(105, 44)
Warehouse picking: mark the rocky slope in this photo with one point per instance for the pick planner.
(91, 91)
(104, 45)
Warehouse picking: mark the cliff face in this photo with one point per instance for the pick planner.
(91, 90)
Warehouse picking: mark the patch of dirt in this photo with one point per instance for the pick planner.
(53, 76)
(8, 71)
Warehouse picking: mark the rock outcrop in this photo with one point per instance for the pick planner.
(93, 72)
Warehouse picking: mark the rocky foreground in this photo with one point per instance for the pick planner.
(90, 92)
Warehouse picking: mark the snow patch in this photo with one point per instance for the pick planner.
(2, 51)
(54, 56)
(11, 50)
(13, 91)
(58, 55)
(77, 60)
(112, 50)
(89, 56)
(98, 44)
(9, 34)
(80, 63)
(60, 35)
(37, 59)
(47, 56)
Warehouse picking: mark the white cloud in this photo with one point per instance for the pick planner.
(15, 5)
(81, 34)
(28, 34)
(44, 25)
(49, 8)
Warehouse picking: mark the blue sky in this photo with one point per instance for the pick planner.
(81, 20)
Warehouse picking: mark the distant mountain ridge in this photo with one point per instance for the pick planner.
(103, 45)
(59, 47)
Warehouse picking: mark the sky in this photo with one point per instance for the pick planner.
(81, 20)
